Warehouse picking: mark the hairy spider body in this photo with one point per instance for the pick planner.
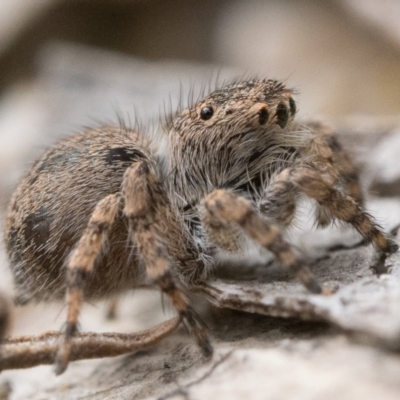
(51, 209)
(101, 210)
(55, 216)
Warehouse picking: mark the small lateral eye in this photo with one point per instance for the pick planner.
(206, 113)
(263, 115)
(292, 105)
(282, 115)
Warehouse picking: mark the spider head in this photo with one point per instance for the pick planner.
(248, 105)
(232, 136)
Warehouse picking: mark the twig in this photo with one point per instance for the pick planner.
(30, 351)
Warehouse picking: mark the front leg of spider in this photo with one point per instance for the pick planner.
(341, 206)
(279, 199)
(310, 181)
(335, 164)
(141, 188)
(225, 206)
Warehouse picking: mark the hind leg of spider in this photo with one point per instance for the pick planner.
(141, 192)
(341, 206)
(80, 266)
(226, 207)
(335, 165)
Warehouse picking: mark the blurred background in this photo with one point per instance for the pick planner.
(64, 64)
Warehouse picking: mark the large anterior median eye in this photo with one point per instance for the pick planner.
(206, 113)
(263, 116)
(282, 115)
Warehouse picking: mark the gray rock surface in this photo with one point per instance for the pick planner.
(272, 340)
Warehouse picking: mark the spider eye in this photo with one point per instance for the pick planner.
(282, 115)
(263, 115)
(206, 113)
(292, 105)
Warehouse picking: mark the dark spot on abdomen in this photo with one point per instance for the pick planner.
(37, 228)
(122, 154)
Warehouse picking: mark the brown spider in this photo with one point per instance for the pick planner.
(101, 207)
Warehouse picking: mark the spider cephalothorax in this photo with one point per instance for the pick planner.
(231, 137)
(100, 208)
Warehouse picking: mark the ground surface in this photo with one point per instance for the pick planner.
(345, 346)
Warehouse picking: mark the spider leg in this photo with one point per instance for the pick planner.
(142, 193)
(341, 206)
(336, 165)
(226, 236)
(226, 207)
(4, 316)
(80, 266)
(279, 199)
(348, 171)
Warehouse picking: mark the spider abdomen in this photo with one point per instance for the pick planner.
(52, 206)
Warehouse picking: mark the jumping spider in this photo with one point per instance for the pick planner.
(99, 207)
